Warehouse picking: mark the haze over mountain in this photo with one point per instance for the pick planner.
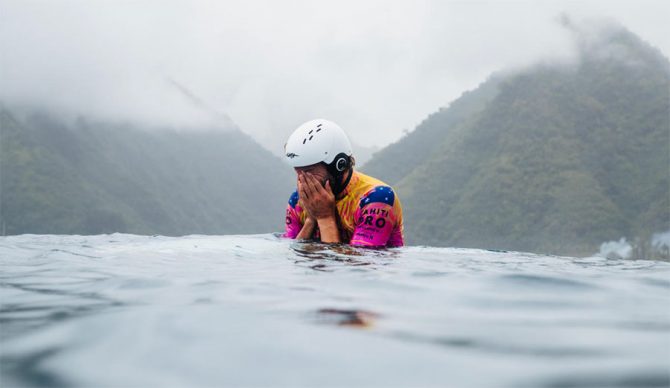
(90, 177)
(375, 67)
(554, 158)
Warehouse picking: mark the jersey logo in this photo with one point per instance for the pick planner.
(383, 194)
(293, 200)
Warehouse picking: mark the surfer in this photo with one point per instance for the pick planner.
(334, 203)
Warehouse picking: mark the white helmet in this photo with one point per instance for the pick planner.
(318, 141)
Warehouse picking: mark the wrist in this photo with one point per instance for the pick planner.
(328, 229)
(326, 217)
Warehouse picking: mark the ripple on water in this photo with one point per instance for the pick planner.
(190, 307)
(501, 348)
(540, 281)
(607, 378)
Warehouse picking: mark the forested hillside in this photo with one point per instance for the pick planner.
(554, 158)
(91, 177)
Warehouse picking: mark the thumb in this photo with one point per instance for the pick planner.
(328, 186)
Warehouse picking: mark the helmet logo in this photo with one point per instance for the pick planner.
(291, 155)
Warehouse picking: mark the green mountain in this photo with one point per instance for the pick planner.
(92, 177)
(554, 158)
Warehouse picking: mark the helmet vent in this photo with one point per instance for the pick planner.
(310, 133)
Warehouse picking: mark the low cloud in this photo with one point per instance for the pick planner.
(375, 67)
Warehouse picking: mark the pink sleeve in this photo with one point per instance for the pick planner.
(377, 220)
(293, 224)
(397, 239)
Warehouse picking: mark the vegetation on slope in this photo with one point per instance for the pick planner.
(559, 159)
(93, 177)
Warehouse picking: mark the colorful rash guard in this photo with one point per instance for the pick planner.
(370, 214)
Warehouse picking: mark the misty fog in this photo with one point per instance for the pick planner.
(375, 67)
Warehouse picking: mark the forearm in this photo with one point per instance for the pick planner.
(307, 230)
(329, 230)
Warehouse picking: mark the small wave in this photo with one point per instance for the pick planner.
(535, 281)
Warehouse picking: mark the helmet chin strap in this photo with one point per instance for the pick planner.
(338, 185)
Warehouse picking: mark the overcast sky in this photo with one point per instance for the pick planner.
(375, 67)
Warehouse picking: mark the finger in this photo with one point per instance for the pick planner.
(321, 189)
(312, 184)
(328, 189)
(301, 190)
(305, 183)
(302, 193)
(317, 186)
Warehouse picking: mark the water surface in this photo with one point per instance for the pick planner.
(125, 310)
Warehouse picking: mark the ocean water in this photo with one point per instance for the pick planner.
(205, 311)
